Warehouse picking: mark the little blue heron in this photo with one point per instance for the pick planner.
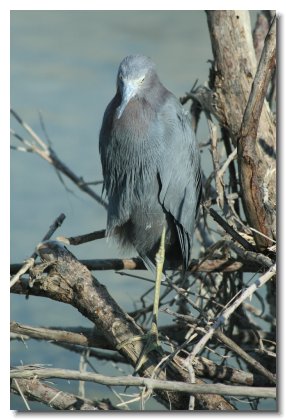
(151, 169)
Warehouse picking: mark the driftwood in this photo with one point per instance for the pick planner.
(70, 282)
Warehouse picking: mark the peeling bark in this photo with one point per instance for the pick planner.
(234, 74)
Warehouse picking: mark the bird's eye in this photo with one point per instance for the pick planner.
(120, 76)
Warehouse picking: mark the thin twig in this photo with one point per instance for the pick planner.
(250, 256)
(82, 239)
(48, 154)
(30, 261)
(22, 395)
(29, 130)
(226, 164)
(220, 320)
(224, 339)
(247, 245)
(215, 155)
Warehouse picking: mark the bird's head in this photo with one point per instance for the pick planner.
(135, 74)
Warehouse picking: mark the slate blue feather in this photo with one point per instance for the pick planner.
(151, 165)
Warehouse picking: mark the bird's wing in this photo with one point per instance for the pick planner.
(104, 140)
(179, 173)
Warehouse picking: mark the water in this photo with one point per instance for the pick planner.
(64, 64)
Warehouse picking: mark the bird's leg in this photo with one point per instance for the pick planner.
(153, 342)
(160, 258)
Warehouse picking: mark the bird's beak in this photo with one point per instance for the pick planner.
(129, 90)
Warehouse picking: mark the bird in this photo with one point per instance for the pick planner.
(151, 166)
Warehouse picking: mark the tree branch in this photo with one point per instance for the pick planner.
(88, 338)
(150, 384)
(225, 314)
(214, 265)
(258, 181)
(31, 261)
(39, 147)
(70, 282)
(35, 390)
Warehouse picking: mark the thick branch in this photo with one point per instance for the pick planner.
(235, 88)
(257, 180)
(234, 70)
(83, 337)
(87, 337)
(197, 266)
(174, 386)
(70, 282)
(35, 390)
(22, 269)
(260, 83)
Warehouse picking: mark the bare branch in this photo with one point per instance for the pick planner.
(71, 282)
(228, 265)
(82, 239)
(227, 341)
(87, 337)
(259, 33)
(30, 262)
(226, 164)
(174, 386)
(215, 155)
(84, 337)
(47, 153)
(259, 86)
(230, 230)
(253, 172)
(208, 304)
(219, 321)
(36, 390)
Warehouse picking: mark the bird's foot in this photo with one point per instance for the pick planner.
(152, 343)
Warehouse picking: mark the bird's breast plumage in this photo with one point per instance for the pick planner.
(131, 149)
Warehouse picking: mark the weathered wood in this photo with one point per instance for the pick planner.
(257, 176)
(234, 70)
(23, 268)
(87, 337)
(203, 266)
(35, 390)
(71, 282)
(259, 33)
(154, 384)
(233, 74)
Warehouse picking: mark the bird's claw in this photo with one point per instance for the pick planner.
(152, 343)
